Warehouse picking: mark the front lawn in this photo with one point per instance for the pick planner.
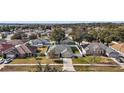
(32, 60)
(98, 69)
(26, 68)
(93, 60)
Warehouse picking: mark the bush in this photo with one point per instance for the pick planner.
(58, 61)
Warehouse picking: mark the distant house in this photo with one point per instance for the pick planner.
(3, 41)
(15, 42)
(39, 42)
(67, 42)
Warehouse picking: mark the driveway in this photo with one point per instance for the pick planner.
(67, 65)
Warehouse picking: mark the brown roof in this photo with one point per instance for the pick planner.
(5, 47)
(119, 47)
(23, 49)
(15, 42)
(20, 50)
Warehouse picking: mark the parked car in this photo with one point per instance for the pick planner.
(8, 60)
(121, 59)
(1, 61)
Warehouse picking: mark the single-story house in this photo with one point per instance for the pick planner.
(23, 51)
(5, 49)
(118, 47)
(39, 42)
(100, 49)
(67, 42)
(110, 52)
(66, 51)
(15, 42)
(95, 49)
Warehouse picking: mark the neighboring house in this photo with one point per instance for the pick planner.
(15, 42)
(110, 52)
(23, 51)
(39, 42)
(100, 49)
(66, 51)
(118, 47)
(67, 42)
(3, 41)
(6, 49)
(95, 49)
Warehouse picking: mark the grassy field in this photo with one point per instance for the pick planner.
(98, 69)
(93, 60)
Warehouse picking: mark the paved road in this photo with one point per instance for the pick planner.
(67, 65)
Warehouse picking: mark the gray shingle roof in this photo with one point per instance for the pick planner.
(67, 41)
(67, 52)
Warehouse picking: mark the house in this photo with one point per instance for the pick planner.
(100, 49)
(15, 42)
(6, 49)
(39, 42)
(110, 52)
(67, 42)
(95, 49)
(60, 51)
(66, 51)
(23, 51)
(119, 47)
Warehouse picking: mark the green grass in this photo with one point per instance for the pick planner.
(93, 60)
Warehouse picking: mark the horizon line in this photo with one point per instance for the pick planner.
(56, 22)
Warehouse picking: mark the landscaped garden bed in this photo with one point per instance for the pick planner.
(93, 60)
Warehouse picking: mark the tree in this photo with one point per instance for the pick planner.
(19, 35)
(57, 35)
(3, 36)
(16, 36)
(77, 35)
